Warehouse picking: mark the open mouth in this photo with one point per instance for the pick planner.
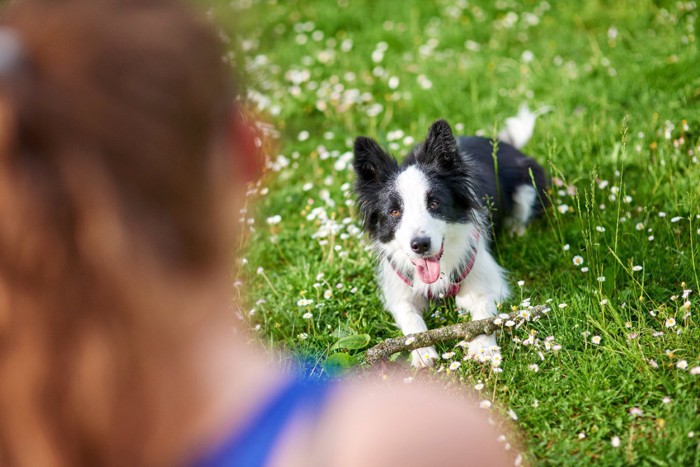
(428, 269)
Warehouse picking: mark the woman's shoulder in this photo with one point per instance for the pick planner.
(372, 422)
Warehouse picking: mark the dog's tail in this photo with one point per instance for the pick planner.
(519, 129)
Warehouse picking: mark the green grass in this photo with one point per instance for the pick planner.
(624, 81)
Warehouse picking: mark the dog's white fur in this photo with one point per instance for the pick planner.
(523, 200)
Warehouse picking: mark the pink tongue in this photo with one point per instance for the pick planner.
(428, 269)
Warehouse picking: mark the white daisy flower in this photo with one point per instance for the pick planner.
(274, 220)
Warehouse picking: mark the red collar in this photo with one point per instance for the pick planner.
(454, 286)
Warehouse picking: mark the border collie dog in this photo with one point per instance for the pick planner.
(430, 220)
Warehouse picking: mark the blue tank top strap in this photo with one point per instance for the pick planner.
(252, 445)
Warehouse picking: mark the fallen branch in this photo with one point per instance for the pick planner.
(462, 331)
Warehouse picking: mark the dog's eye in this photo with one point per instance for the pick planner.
(433, 203)
(395, 213)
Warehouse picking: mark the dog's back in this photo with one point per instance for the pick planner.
(518, 193)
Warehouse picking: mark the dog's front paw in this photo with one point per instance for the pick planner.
(484, 349)
(424, 357)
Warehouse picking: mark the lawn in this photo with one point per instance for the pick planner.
(612, 374)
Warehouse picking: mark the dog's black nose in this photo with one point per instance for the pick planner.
(420, 244)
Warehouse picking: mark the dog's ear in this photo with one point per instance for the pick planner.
(440, 146)
(372, 164)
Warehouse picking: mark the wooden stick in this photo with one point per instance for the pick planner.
(463, 331)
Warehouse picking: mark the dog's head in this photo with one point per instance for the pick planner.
(409, 211)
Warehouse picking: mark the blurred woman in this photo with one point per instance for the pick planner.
(122, 163)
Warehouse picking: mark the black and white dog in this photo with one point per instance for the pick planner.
(430, 220)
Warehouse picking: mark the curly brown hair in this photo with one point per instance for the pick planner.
(112, 121)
